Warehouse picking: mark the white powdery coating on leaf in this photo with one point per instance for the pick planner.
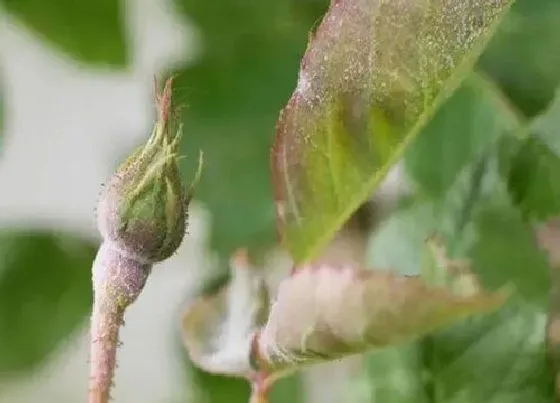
(326, 313)
(313, 289)
(393, 61)
(218, 330)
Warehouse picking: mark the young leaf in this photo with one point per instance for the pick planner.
(218, 329)
(326, 313)
(372, 76)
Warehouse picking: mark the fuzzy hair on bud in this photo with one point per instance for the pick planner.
(143, 210)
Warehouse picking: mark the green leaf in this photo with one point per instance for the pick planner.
(45, 293)
(248, 64)
(524, 55)
(478, 222)
(372, 76)
(464, 128)
(394, 375)
(236, 184)
(398, 243)
(287, 389)
(531, 164)
(471, 361)
(505, 249)
(88, 31)
(211, 388)
(547, 125)
(496, 358)
(534, 179)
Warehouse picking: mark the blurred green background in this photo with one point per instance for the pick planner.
(471, 172)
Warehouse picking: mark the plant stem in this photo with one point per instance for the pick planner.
(105, 324)
(260, 386)
(117, 282)
(258, 395)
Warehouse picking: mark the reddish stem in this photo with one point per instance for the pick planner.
(117, 282)
(260, 389)
(105, 324)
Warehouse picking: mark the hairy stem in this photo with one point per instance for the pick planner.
(117, 282)
(105, 323)
(259, 389)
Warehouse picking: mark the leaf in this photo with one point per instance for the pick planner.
(45, 293)
(88, 31)
(247, 66)
(481, 225)
(212, 388)
(326, 313)
(395, 375)
(372, 76)
(218, 333)
(218, 329)
(524, 55)
(495, 358)
(534, 179)
(471, 361)
(531, 164)
(464, 128)
(505, 249)
(547, 125)
(398, 242)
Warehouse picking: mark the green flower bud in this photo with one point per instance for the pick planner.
(143, 210)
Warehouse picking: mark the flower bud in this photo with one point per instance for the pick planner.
(143, 210)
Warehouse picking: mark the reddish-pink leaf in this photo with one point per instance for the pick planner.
(326, 313)
(372, 76)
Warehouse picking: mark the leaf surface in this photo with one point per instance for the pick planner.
(373, 74)
(326, 313)
(218, 329)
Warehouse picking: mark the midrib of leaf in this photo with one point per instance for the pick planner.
(289, 191)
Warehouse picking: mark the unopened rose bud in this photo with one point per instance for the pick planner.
(142, 218)
(143, 210)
